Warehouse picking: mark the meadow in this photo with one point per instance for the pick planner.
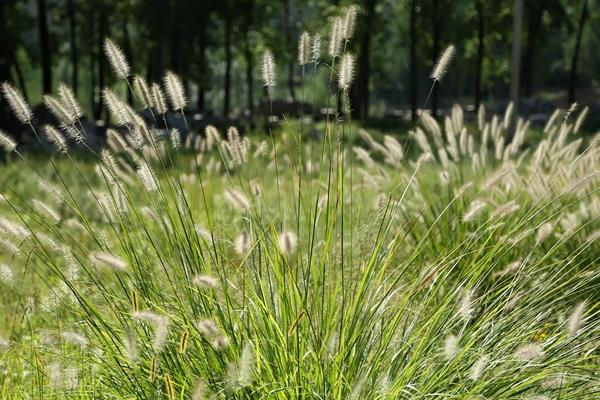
(459, 261)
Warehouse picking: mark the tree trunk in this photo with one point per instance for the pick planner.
(100, 54)
(413, 61)
(515, 66)
(249, 65)
(175, 36)
(435, 54)
(480, 52)
(203, 69)
(228, 59)
(7, 119)
(534, 23)
(73, 47)
(290, 47)
(127, 49)
(21, 79)
(93, 60)
(361, 100)
(44, 47)
(574, 59)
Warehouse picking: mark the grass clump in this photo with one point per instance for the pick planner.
(177, 265)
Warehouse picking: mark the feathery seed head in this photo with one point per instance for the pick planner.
(287, 242)
(46, 210)
(158, 99)
(220, 342)
(529, 352)
(175, 90)
(130, 347)
(69, 101)
(205, 282)
(315, 52)
(592, 237)
(481, 117)
(17, 103)
(450, 347)
(478, 368)
(475, 209)
(56, 138)
(505, 209)
(212, 136)
(14, 230)
(7, 275)
(243, 243)
(7, 143)
(116, 141)
(73, 133)
(118, 109)
(508, 115)
(9, 246)
(465, 307)
(175, 139)
(576, 318)
(346, 72)
(147, 177)
(442, 65)
(444, 178)
(336, 37)
(236, 147)
(350, 21)
(512, 267)
(269, 76)
(159, 323)
(52, 190)
(572, 108)
(116, 59)
(256, 188)
(109, 162)
(74, 338)
(58, 110)
(199, 392)
(237, 199)
(107, 260)
(240, 373)
(233, 134)
(304, 49)
(580, 119)
(208, 328)
(544, 232)
(142, 91)
(47, 242)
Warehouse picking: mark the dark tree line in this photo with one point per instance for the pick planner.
(215, 45)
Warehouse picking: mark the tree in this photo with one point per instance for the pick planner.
(228, 60)
(202, 66)
(574, 59)
(44, 46)
(516, 58)
(290, 47)
(248, 54)
(360, 102)
(73, 47)
(6, 59)
(438, 12)
(100, 59)
(413, 61)
(480, 51)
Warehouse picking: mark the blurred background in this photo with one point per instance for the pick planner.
(215, 46)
